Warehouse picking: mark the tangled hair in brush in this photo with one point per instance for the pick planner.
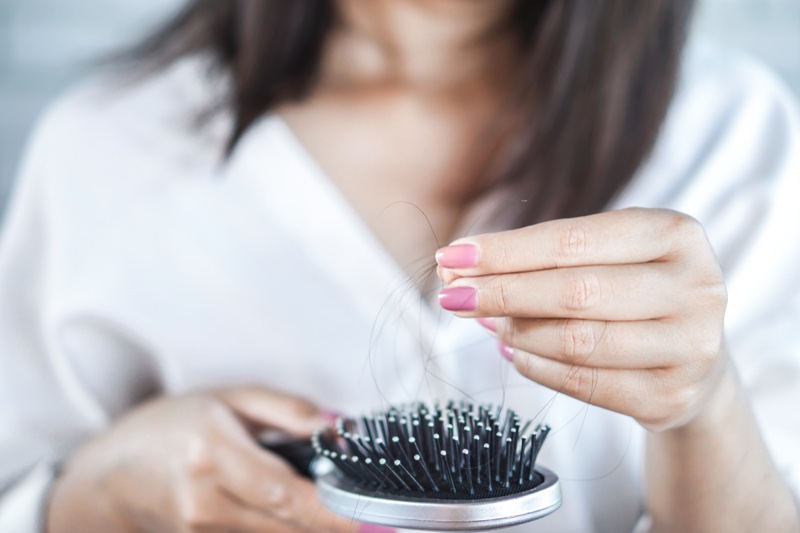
(453, 452)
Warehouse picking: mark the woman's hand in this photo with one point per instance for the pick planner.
(190, 464)
(622, 309)
(625, 310)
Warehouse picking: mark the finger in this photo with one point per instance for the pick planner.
(254, 476)
(295, 416)
(308, 511)
(211, 509)
(244, 520)
(630, 345)
(614, 237)
(635, 393)
(264, 482)
(622, 292)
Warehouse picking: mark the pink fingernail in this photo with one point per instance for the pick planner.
(506, 351)
(488, 323)
(371, 528)
(330, 416)
(458, 256)
(459, 299)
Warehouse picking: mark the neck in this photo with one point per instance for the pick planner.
(428, 45)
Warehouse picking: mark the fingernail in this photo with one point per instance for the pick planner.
(488, 323)
(459, 299)
(371, 528)
(330, 417)
(458, 256)
(506, 351)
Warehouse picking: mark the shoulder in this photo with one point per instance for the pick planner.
(729, 104)
(731, 74)
(109, 123)
(732, 123)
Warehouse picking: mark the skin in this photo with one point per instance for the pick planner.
(190, 464)
(406, 77)
(625, 310)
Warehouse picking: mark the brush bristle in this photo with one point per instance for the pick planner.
(452, 452)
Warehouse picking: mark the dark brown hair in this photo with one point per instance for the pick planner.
(592, 88)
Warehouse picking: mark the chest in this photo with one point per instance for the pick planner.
(403, 166)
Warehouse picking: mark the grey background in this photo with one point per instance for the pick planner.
(47, 44)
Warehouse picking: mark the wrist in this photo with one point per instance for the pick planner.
(714, 472)
(719, 406)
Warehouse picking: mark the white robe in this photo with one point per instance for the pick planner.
(133, 261)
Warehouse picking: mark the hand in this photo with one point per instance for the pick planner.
(189, 464)
(623, 309)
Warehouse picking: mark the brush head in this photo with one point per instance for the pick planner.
(447, 468)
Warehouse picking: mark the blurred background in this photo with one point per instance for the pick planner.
(45, 45)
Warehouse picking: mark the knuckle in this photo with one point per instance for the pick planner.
(281, 503)
(504, 255)
(709, 297)
(525, 364)
(581, 292)
(199, 458)
(276, 495)
(571, 240)
(676, 220)
(702, 343)
(718, 293)
(687, 228)
(707, 347)
(674, 407)
(672, 396)
(577, 340)
(502, 296)
(682, 401)
(213, 412)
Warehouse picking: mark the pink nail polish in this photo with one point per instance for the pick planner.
(488, 323)
(330, 416)
(458, 256)
(371, 528)
(506, 351)
(459, 299)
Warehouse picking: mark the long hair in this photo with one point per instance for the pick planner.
(581, 114)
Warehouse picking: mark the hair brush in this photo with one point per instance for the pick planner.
(450, 468)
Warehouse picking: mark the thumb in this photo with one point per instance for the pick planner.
(272, 410)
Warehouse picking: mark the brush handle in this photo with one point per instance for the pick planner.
(297, 453)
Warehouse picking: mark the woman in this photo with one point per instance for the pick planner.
(170, 288)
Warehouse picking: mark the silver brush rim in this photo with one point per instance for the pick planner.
(442, 515)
